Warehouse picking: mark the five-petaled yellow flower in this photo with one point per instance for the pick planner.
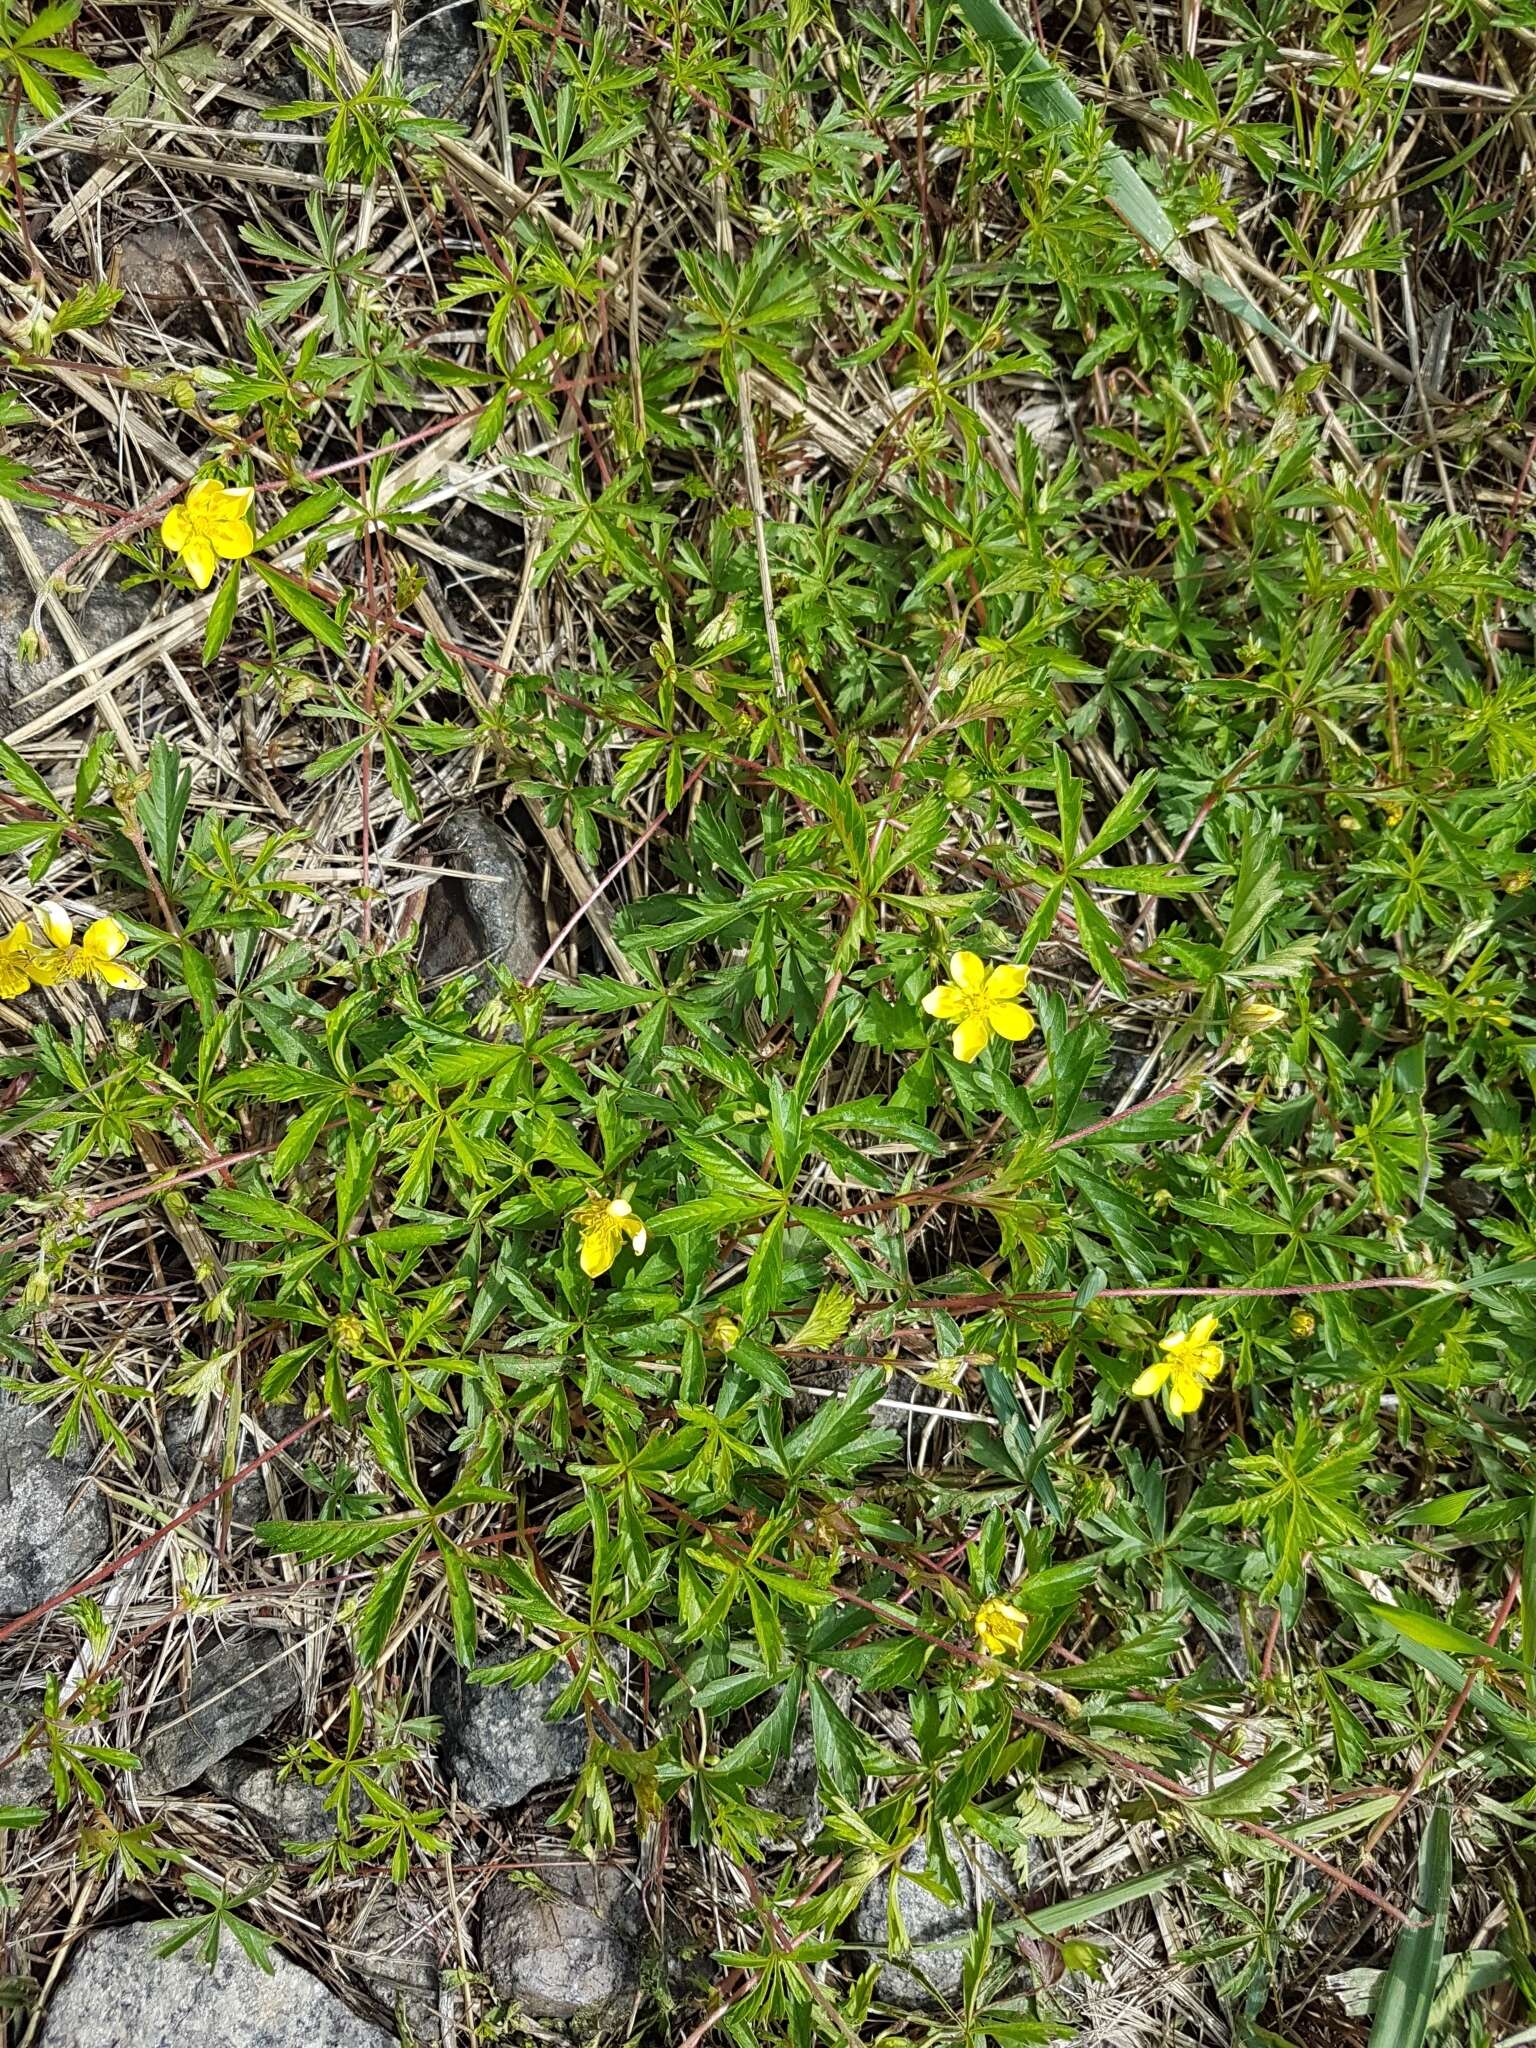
(982, 1002)
(603, 1227)
(1191, 1360)
(18, 960)
(94, 959)
(210, 525)
(1000, 1627)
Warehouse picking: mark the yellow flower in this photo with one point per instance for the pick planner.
(210, 525)
(17, 958)
(1190, 1361)
(603, 1227)
(94, 959)
(982, 1002)
(1000, 1627)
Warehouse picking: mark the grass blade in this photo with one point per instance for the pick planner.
(1052, 104)
(1402, 2011)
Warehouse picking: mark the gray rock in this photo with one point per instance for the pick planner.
(181, 274)
(392, 1946)
(53, 1522)
(568, 1950)
(24, 1782)
(792, 1794)
(117, 1993)
(184, 1427)
(487, 911)
(105, 616)
(285, 1809)
(237, 1689)
(436, 56)
(497, 1743)
(936, 1931)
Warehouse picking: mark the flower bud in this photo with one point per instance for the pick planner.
(1252, 1016)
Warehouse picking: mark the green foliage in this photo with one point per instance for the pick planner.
(30, 58)
(218, 1918)
(858, 487)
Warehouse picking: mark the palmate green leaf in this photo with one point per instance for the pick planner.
(770, 1739)
(1259, 890)
(842, 1752)
(338, 1541)
(304, 607)
(1052, 105)
(461, 1601)
(1403, 2008)
(162, 806)
(221, 616)
(826, 1322)
(765, 1273)
(1144, 1657)
(382, 1608)
(1258, 1789)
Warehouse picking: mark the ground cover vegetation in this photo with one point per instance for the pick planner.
(954, 1302)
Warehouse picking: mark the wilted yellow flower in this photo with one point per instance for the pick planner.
(1000, 1627)
(1252, 1016)
(210, 525)
(94, 959)
(981, 1001)
(1190, 1361)
(603, 1227)
(723, 1331)
(1303, 1322)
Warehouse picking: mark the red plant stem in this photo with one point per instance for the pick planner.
(114, 1565)
(1416, 1783)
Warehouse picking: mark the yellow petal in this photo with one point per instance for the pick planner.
(970, 1038)
(115, 973)
(1010, 1020)
(1004, 983)
(237, 499)
(1184, 1397)
(199, 560)
(58, 926)
(968, 970)
(944, 1001)
(13, 982)
(1203, 1330)
(176, 528)
(232, 539)
(104, 939)
(204, 497)
(48, 968)
(1175, 1340)
(599, 1248)
(1148, 1382)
